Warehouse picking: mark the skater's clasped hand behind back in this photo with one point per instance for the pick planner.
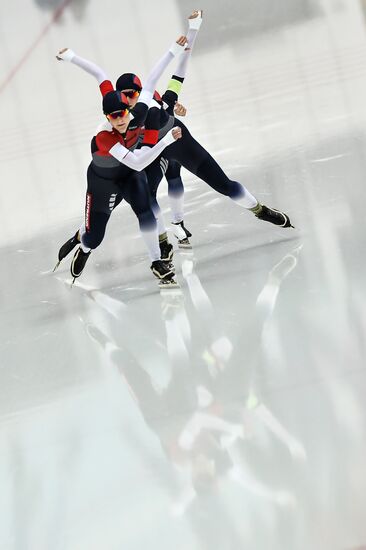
(180, 110)
(177, 132)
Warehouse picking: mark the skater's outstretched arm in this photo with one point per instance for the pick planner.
(157, 117)
(170, 97)
(140, 158)
(105, 85)
(148, 89)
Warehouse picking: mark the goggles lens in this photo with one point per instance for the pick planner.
(132, 94)
(116, 114)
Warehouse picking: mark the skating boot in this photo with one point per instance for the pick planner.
(66, 248)
(164, 273)
(182, 234)
(271, 215)
(166, 251)
(78, 263)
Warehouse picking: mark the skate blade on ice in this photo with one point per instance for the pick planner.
(168, 284)
(178, 231)
(186, 245)
(56, 266)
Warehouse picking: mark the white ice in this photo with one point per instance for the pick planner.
(229, 414)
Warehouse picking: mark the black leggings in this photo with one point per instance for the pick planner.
(190, 154)
(103, 195)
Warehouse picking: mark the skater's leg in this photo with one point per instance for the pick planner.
(136, 192)
(176, 200)
(101, 197)
(154, 173)
(95, 225)
(197, 160)
(100, 200)
(175, 191)
(116, 199)
(95, 230)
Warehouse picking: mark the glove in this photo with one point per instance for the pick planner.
(177, 49)
(196, 22)
(169, 138)
(65, 55)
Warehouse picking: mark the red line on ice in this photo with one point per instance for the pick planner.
(56, 14)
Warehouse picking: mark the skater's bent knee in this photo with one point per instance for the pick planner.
(92, 240)
(175, 187)
(95, 230)
(147, 220)
(235, 190)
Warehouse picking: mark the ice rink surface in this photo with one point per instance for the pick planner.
(229, 414)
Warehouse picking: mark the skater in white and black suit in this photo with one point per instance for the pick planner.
(188, 152)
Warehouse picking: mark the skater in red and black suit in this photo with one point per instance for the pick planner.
(153, 129)
(116, 173)
(188, 152)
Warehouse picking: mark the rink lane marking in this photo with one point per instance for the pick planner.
(56, 15)
(327, 159)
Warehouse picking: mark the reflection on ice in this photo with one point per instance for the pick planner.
(229, 413)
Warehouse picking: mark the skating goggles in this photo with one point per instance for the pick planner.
(132, 94)
(116, 114)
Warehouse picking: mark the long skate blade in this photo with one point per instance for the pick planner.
(178, 232)
(185, 246)
(56, 266)
(170, 284)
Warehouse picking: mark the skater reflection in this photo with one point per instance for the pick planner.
(76, 7)
(220, 369)
(203, 405)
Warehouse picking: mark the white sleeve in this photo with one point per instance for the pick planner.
(140, 158)
(90, 68)
(196, 22)
(152, 80)
(184, 59)
(84, 64)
